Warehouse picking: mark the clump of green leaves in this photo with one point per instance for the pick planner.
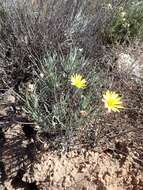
(128, 22)
(54, 103)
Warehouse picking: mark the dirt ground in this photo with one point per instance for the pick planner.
(75, 170)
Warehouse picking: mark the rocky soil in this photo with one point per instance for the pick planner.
(24, 166)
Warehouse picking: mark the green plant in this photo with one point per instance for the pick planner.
(128, 22)
(55, 104)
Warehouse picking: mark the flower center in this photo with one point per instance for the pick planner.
(111, 103)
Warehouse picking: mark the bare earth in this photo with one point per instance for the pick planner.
(82, 170)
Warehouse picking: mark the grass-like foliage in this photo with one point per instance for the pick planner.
(29, 30)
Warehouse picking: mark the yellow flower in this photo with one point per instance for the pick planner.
(78, 81)
(113, 102)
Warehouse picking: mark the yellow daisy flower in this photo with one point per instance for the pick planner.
(78, 81)
(112, 101)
